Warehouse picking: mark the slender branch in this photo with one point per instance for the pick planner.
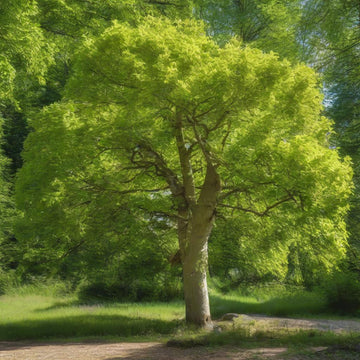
(100, 188)
(56, 32)
(158, 2)
(259, 213)
(220, 120)
(111, 79)
(167, 215)
(228, 131)
(72, 249)
(145, 150)
(185, 163)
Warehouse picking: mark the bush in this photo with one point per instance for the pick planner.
(342, 292)
(8, 280)
(101, 291)
(159, 288)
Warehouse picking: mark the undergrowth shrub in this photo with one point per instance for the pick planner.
(342, 293)
(159, 288)
(8, 280)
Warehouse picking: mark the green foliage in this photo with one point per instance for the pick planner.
(7, 213)
(342, 292)
(15, 132)
(267, 25)
(68, 23)
(24, 54)
(23, 63)
(325, 35)
(8, 280)
(96, 167)
(93, 214)
(331, 36)
(24, 60)
(161, 287)
(35, 286)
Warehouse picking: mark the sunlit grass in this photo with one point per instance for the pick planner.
(38, 313)
(269, 300)
(39, 317)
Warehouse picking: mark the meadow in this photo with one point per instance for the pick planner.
(48, 313)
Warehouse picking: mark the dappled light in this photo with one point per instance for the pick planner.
(177, 175)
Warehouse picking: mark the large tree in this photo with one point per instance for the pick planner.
(159, 123)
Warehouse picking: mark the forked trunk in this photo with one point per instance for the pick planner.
(195, 222)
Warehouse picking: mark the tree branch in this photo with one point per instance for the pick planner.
(259, 213)
(144, 150)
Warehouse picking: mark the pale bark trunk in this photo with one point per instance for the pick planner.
(195, 223)
(195, 260)
(195, 288)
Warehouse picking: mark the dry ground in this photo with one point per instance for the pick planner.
(114, 351)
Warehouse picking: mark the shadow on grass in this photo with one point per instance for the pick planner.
(289, 305)
(86, 326)
(94, 304)
(60, 305)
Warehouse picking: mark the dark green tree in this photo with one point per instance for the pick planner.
(331, 33)
(23, 64)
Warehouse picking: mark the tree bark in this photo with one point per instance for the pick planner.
(195, 258)
(196, 218)
(195, 288)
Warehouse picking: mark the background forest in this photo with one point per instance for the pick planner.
(64, 224)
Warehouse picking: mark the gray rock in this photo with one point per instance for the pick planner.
(229, 317)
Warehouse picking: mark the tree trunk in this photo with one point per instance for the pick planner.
(195, 255)
(195, 221)
(195, 288)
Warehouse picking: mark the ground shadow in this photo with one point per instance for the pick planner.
(87, 325)
(160, 352)
(115, 351)
(290, 305)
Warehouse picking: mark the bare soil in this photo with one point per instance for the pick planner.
(158, 351)
(117, 351)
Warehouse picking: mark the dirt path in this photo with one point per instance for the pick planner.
(129, 351)
(157, 351)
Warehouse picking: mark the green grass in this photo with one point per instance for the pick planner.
(252, 337)
(46, 317)
(272, 300)
(26, 315)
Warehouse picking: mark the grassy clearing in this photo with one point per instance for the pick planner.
(34, 317)
(26, 315)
